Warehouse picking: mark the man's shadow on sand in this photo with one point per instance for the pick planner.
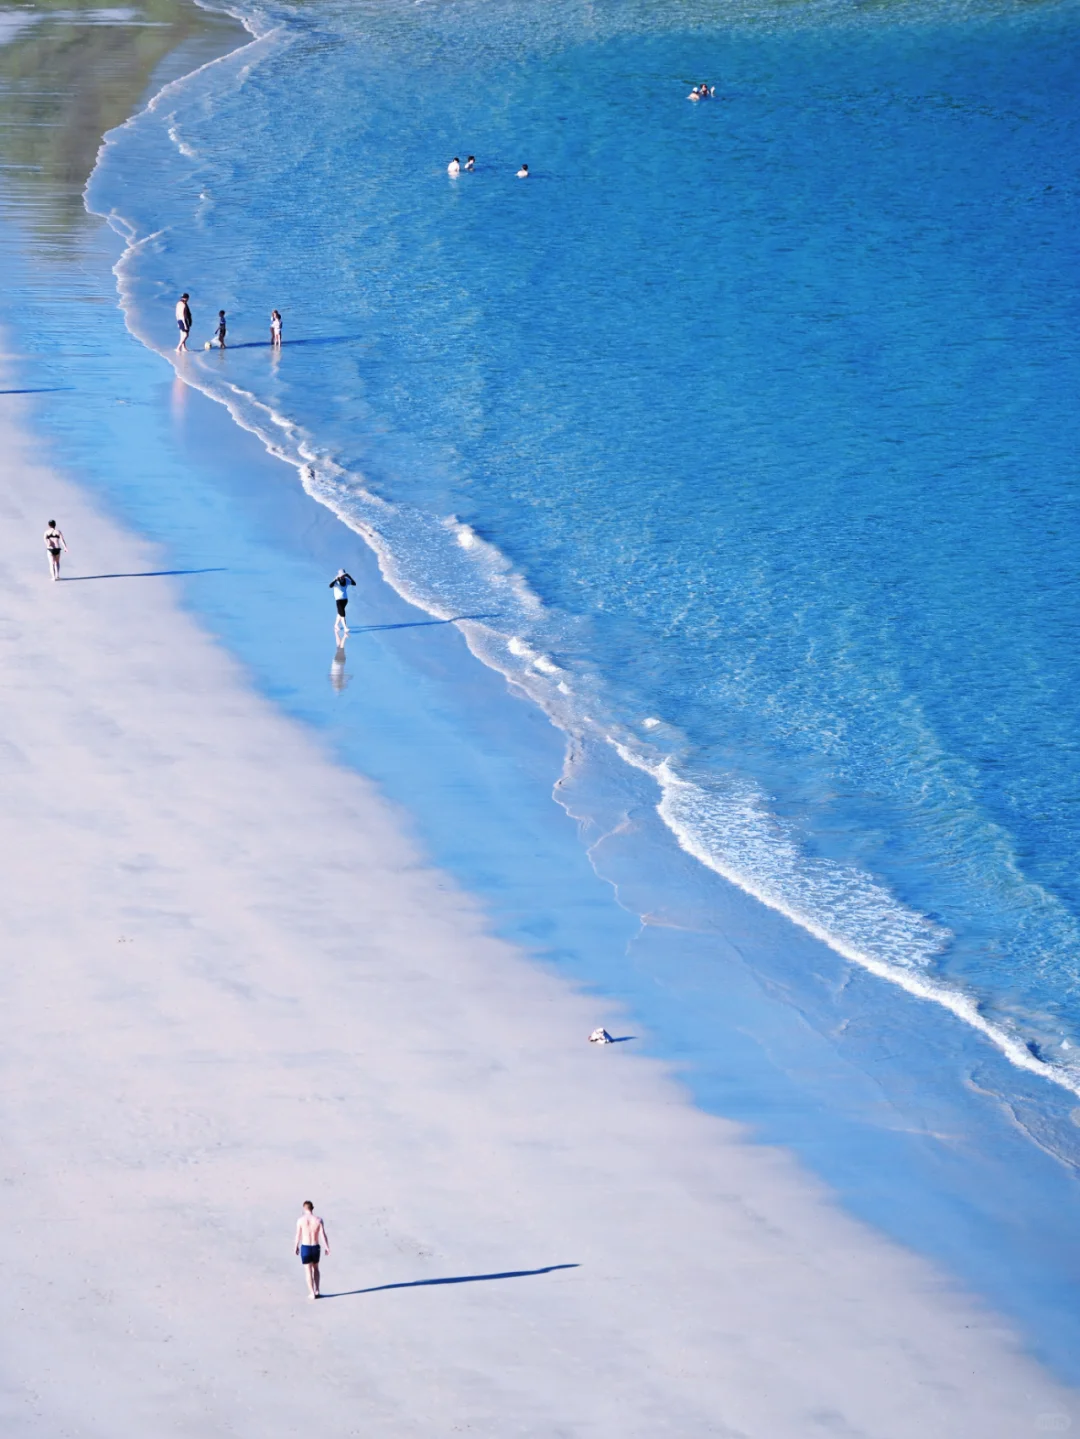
(456, 1279)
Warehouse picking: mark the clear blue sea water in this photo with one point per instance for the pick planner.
(744, 432)
(749, 427)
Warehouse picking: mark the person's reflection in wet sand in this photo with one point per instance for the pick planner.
(338, 678)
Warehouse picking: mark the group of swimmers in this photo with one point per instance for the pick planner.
(455, 167)
(184, 322)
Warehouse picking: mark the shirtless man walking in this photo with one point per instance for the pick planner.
(310, 1241)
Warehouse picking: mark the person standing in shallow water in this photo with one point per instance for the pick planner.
(183, 319)
(311, 1240)
(340, 586)
(275, 328)
(54, 543)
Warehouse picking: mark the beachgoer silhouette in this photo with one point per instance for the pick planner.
(183, 320)
(54, 542)
(340, 586)
(311, 1240)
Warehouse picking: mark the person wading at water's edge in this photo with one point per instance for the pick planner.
(183, 319)
(340, 586)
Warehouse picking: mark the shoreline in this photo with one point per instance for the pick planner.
(906, 1118)
(389, 684)
(249, 984)
(771, 878)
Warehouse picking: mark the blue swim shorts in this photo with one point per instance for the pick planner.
(309, 1254)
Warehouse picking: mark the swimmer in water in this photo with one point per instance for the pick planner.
(523, 173)
(470, 163)
(454, 167)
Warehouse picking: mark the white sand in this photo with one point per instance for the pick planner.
(231, 983)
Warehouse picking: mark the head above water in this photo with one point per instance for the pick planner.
(309, 1206)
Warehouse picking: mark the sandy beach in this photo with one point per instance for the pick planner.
(233, 983)
(240, 974)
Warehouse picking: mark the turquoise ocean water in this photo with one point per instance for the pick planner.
(749, 427)
(743, 433)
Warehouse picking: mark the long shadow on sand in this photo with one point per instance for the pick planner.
(142, 574)
(457, 1279)
(288, 344)
(417, 624)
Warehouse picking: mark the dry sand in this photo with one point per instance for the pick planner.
(232, 982)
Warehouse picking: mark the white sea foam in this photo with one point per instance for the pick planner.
(184, 148)
(728, 830)
(734, 835)
(500, 570)
(446, 567)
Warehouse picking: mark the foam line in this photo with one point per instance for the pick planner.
(732, 834)
(911, 980)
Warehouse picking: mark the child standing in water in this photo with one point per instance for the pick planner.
(275, 328)
(221, 328)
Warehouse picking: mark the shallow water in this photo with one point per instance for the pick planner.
(747, 425)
